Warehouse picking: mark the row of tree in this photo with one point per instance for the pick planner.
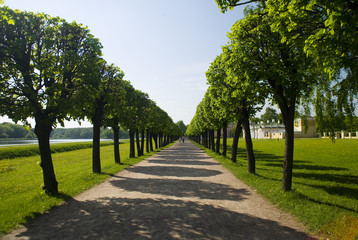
(10, 130)
(291, 53)
(52, 70)
(85, 133)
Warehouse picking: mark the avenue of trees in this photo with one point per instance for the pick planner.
(294, 54)
(52, 70)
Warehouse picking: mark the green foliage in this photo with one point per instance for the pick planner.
(52, 71)
(225, 5)
(9, 130)
(325, 182)
(84, 133)
(43, 62)
(182, 127)
(108, 134)
(269, 115)
(328, 29)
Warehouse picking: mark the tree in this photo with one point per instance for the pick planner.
(236, 93)
(43, 62)
(269, 115)
(116, 110)
(328, 31)
(182, 127)
(99, 93)
(9, 130)
(282, 67)
(225, 5)
(327, 28)
(220, 100)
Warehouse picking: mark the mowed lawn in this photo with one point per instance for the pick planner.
(21, 180)
(325, 182)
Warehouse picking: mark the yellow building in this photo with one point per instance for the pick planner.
(277, 130)
(300, 128)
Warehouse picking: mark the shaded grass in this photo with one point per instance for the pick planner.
(325, 180)
(21, 195)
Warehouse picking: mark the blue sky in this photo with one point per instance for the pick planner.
(164, 47)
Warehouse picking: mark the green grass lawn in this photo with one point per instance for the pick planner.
(325, 182)
(21, 195)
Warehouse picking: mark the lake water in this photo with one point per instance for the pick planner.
(14, 142)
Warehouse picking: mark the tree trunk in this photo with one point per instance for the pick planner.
(155, 136)
(204, 139)
(289, 147)
(131, 144)
(138, 143)
(287, 107)
(235, 141)
(42, 131)
(115, 128)
(147, 142)
(218, 138)
(96, 160)
(151, 141)
(160, 140)
(224, 140)
(212, 133)
(249, 147)
(209, 139)
(142, 144)
(167, 140)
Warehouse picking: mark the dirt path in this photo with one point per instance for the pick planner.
(179, 193)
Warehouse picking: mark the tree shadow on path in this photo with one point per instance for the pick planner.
(156, 216)
(174, 171)
(182, 188)
(123, 218)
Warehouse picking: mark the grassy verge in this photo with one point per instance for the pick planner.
(325, 182)
(33, 150)
(21, 196)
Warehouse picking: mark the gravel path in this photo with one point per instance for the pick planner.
(178, 193)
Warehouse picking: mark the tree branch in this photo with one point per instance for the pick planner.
(240, 4)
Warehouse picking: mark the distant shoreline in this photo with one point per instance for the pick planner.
(7, 142)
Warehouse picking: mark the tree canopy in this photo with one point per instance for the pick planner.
(274, 54)
(52, 70)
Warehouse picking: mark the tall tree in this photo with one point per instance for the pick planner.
(222, 109)
(182, 126)
(283, 68)
(328, 30)
(116, 110)
(269, 115)
(106, 89)
(43, 61)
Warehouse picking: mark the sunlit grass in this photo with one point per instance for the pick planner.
(325, 179)
(21, 195)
